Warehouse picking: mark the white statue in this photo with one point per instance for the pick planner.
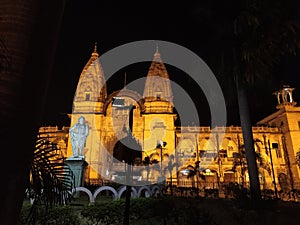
(78, 134)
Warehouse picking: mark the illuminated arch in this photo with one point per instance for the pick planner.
(155, 188)
(85, 190)
(125, 93)
(203, 143)
(123, 188)
(144, 188)
(97, 191)
(231, 145)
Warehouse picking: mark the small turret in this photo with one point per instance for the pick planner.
(285, 97)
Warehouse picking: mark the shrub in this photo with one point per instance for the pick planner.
(56, 215)
(106, 212)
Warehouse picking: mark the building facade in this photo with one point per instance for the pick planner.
(172, 151)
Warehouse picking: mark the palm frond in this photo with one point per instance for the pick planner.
(51, 180)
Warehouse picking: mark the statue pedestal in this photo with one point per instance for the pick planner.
(78, 166)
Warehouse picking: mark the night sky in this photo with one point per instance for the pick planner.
(111, 24)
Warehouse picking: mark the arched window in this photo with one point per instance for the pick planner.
(88, 91)
(87, 96)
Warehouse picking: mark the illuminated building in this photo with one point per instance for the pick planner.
(154, 120)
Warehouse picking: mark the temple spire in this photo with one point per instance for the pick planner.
(91, 86)
(95, 47)
(157, 87)
(157, 56)
(95, 53)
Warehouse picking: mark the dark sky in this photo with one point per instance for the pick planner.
(110, 24)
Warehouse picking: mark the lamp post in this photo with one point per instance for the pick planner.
(219, 160)
(197, 164)
(160, 146)
(273, 174)
(123, 161)
(119, 103)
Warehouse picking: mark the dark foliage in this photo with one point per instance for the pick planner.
(51, 180)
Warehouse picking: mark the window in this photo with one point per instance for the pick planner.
(87, 92)
(223, 153)
(158, 92)
(211, 154)
(180, 153)
(87, 96)
(274, 145)
(278, 152)
(201, 153)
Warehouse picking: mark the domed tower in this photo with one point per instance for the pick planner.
(89, 103)
(158, 112)
(157, 92)
(91, 89)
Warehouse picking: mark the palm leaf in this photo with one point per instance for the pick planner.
(51, 180)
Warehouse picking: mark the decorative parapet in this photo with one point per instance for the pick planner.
(195, 129)
(265, 129)
(48, 129)
(231, 129)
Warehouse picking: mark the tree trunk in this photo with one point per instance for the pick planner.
(28, 35)
(248, 141)
(171, 184)
(127, 205)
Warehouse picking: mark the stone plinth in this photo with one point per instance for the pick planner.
(78, 166)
